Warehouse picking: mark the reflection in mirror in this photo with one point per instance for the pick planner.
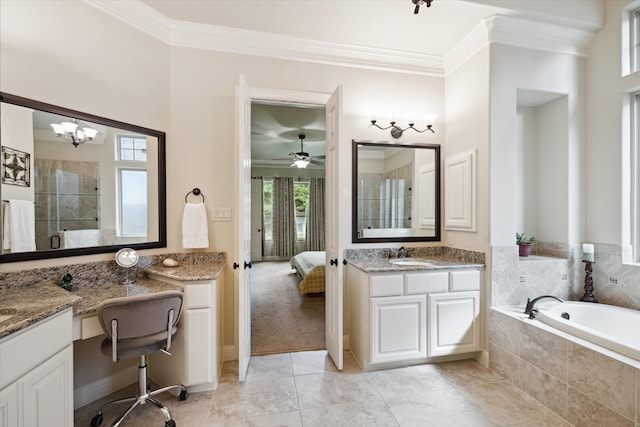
(96, 188)
(396, 192)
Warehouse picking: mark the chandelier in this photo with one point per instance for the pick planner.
(70, 132)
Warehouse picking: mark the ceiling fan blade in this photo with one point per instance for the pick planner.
(316, 162)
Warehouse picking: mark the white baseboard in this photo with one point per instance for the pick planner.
(104, 386)
(229, 352)
(346, 344)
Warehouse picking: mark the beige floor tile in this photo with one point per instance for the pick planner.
(239, 401)
(312, 362)
(269, 367)
(229, 372)
(351, 414)
(289, 419)
(440, 408)
(467, 372)
(505, 404)
(410, 384)
(329, 388)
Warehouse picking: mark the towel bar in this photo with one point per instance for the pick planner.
(196, 192)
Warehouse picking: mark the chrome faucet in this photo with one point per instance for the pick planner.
(530, 310)
(402, 250)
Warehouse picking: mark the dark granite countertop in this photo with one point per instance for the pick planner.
(431, 263)
(29, 304)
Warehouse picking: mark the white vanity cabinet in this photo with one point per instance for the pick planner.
(196, 353)
(411, 316)
(36, 374)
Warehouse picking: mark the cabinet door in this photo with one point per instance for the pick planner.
(9, 406)
(47, 392)
(453, 323)
(199, 336)
(398, 328)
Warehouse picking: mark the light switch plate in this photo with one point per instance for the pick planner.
(221, 214)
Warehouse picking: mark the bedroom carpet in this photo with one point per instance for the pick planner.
(282, 320)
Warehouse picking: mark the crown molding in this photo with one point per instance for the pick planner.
(258, 43)
(500, 29)
(520, 32)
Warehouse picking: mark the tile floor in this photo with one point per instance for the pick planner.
(304, 389)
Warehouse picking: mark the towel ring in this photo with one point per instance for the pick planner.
(196, 192)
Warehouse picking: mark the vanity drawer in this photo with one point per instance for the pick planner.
(426, 283)
(385, 285)
(468, 280)
(198, 296)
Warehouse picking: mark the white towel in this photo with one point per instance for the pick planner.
(19, 226)
(195, 232)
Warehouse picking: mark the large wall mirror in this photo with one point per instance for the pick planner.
(66, 192)
(396, 192)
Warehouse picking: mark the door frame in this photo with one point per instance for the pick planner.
(280, 96)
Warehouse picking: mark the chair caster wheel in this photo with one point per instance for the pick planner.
(170, 423)
(97, 420)
(183, 394)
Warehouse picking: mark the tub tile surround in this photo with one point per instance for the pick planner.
(558, 270)
(580, 384)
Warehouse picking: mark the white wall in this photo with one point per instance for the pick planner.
(513, 69)
(18, 134)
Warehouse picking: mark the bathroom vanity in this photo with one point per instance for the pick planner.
(413, 312)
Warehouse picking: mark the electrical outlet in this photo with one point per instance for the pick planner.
(523, 279)
(613, 280)
(565, 276)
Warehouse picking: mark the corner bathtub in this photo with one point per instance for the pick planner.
(606, 325)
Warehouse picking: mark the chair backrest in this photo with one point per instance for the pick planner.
(141, 317)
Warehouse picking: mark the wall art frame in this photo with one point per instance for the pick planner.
(16, 167)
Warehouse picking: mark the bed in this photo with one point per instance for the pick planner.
(310, 266)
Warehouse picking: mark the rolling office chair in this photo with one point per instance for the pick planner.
(136, 326)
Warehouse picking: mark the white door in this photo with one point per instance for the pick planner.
(242, 265)
(335, 228)
(256, 220)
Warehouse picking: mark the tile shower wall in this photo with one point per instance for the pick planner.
(583, 386)
(557, 269)
(67, 197)
(384, 200)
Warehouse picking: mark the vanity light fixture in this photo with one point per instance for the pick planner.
(396, 131)
(70, 132)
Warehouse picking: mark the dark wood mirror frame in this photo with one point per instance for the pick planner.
(162, 217)
(355, 236)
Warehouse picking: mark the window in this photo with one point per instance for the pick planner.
(132, 192)
(635, 40)
(301, 200)
(132, 148)
(634, 177)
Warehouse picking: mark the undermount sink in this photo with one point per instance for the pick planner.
(6, 314)
(411, 262)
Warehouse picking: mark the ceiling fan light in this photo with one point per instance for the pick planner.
(300, 163)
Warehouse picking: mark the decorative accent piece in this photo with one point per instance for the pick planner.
(70, 132)
(16, 167)
(418, 3)
(587, 252)
(397, 131)
(524, 244)
(66, 282)
(588, 282)
(170, 262)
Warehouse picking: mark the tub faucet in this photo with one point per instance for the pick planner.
(530, 310)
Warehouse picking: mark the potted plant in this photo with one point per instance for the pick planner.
(524, 244)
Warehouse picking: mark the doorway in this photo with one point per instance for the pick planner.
(282, 134)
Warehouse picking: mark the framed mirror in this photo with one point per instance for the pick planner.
(77, 184)
(396, 192)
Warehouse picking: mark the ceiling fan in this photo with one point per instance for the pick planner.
(302, 159)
